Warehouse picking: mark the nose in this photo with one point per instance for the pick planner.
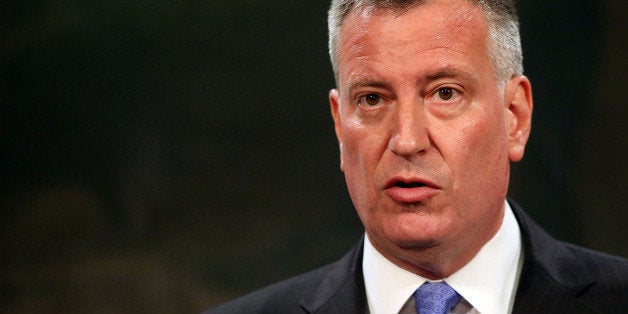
(410, 133)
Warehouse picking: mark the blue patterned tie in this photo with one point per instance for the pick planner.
(435, 298)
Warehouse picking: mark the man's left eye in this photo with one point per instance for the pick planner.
(446, 93)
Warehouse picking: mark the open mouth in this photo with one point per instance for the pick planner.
(409, 185)
(411, 190)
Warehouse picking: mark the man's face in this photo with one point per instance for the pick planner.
(425, 135)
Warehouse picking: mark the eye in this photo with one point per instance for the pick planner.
(446, 94)
(370, 100)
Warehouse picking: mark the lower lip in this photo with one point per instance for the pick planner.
(411, 195)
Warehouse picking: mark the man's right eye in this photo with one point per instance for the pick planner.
(371, 100)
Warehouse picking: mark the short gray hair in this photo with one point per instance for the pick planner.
(504, 42)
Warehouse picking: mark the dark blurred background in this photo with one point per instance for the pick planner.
(167, 155)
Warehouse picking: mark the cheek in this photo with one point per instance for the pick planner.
(362, 151)
(480, 152)
(363, 146)
(485, 138)
(352, 157)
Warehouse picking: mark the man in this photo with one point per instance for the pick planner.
(431, 108)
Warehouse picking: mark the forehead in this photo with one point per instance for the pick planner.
(434, 29)
(446, 15)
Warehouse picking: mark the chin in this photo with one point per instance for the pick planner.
(417, 232)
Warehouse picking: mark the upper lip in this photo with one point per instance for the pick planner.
(402, 181)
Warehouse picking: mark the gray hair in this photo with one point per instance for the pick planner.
(504, 43)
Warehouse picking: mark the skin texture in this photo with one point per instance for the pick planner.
(417, 102)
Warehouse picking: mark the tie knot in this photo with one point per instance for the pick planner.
(435, 297)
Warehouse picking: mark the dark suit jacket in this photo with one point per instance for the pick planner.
(557, 277)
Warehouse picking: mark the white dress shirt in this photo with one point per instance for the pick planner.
(487, 283)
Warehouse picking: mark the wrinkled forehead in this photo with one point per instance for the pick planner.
(452, 23)
(397, 7)
(456, 10)
(438, 34)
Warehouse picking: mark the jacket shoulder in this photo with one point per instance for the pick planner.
(335, 288)
(281, 297)
(610, 272)
(559, 277)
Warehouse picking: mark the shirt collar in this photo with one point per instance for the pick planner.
(487, 282)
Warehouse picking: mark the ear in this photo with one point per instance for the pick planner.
(518, 102)
(334, 103)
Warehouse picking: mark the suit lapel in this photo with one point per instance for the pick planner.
(552, 277)
(342, 289)
(539, 293)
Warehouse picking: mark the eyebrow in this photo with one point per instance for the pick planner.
(450, 73)
(369, 83)
(439, 74)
